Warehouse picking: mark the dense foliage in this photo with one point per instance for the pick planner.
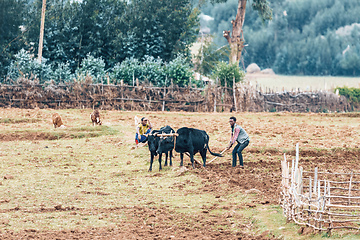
(305, 37)
(153, 70)
(148, 70)
(11, 37)
(227, 73)
(352, 94)
(106, 30)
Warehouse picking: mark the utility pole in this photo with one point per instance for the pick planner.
(41, 40)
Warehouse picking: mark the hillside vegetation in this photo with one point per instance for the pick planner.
(305, 37)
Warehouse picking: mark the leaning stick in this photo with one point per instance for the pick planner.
(216, 156)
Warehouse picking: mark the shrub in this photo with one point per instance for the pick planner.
(180, 71)
(92, 67)
(227, 72)
(25, 65)
(352, 94)
(125, 71)
(153, 71)
(62, 73)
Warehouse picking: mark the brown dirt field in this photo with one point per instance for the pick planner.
(146, 223)
(328, 141)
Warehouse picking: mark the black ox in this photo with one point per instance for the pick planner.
(153, 143)
(189, 140)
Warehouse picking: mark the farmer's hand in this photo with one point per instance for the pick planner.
(229, 146)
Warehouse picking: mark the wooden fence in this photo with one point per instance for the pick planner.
(321, 200)
(244, 97)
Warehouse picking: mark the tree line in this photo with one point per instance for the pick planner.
(305, 37)
(95, 35)
(150, 40)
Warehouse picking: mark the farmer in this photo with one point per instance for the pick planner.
(239, 135)
(143, 128)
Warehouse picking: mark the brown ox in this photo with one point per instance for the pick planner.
(95, 117)
(56, 119)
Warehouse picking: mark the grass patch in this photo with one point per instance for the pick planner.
(56, 134)
(20, 120)
(68, 180)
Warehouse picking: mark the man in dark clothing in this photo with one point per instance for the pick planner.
(239, 135)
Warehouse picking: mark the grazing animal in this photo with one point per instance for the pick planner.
(193, 141)
(153, 143)
(95, 117)
(57, 121)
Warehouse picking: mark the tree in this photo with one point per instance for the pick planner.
(114, 29)
(236, 38)
(11, 37)
(209, 56)
(227, 73)
(159, 28)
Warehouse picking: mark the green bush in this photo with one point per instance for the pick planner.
(93, 67)
(62, 73)
(125, 71)
(25, 65)
(149, 70)
(227, 72)
(152, 70)
(179, 70)
(352, 94)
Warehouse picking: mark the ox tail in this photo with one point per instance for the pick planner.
(215, 154)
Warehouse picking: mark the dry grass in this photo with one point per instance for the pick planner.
(96, 182)
(305, 83)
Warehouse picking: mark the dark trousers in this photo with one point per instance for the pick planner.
(141, 138)
(237, 151)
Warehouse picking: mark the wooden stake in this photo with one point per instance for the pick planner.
(42, 26)
(297, 157)
(292, 172)
(315, 179)
(351, 176)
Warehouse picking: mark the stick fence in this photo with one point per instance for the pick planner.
(243, 98)
(321, 200)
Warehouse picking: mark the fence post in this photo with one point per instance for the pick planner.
(215, 94)
(310, 195)
(351, 176)
(133, 78)
(300, 190)
(296, 162)
(315, 179)
(297, 156)
(292, 172)
(163, 105)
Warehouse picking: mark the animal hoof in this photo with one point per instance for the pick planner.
(149, 170)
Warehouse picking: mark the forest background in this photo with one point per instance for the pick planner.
(113, 40)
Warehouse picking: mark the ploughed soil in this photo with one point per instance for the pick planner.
(263, 177)
(144, 223)
(260, 177)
